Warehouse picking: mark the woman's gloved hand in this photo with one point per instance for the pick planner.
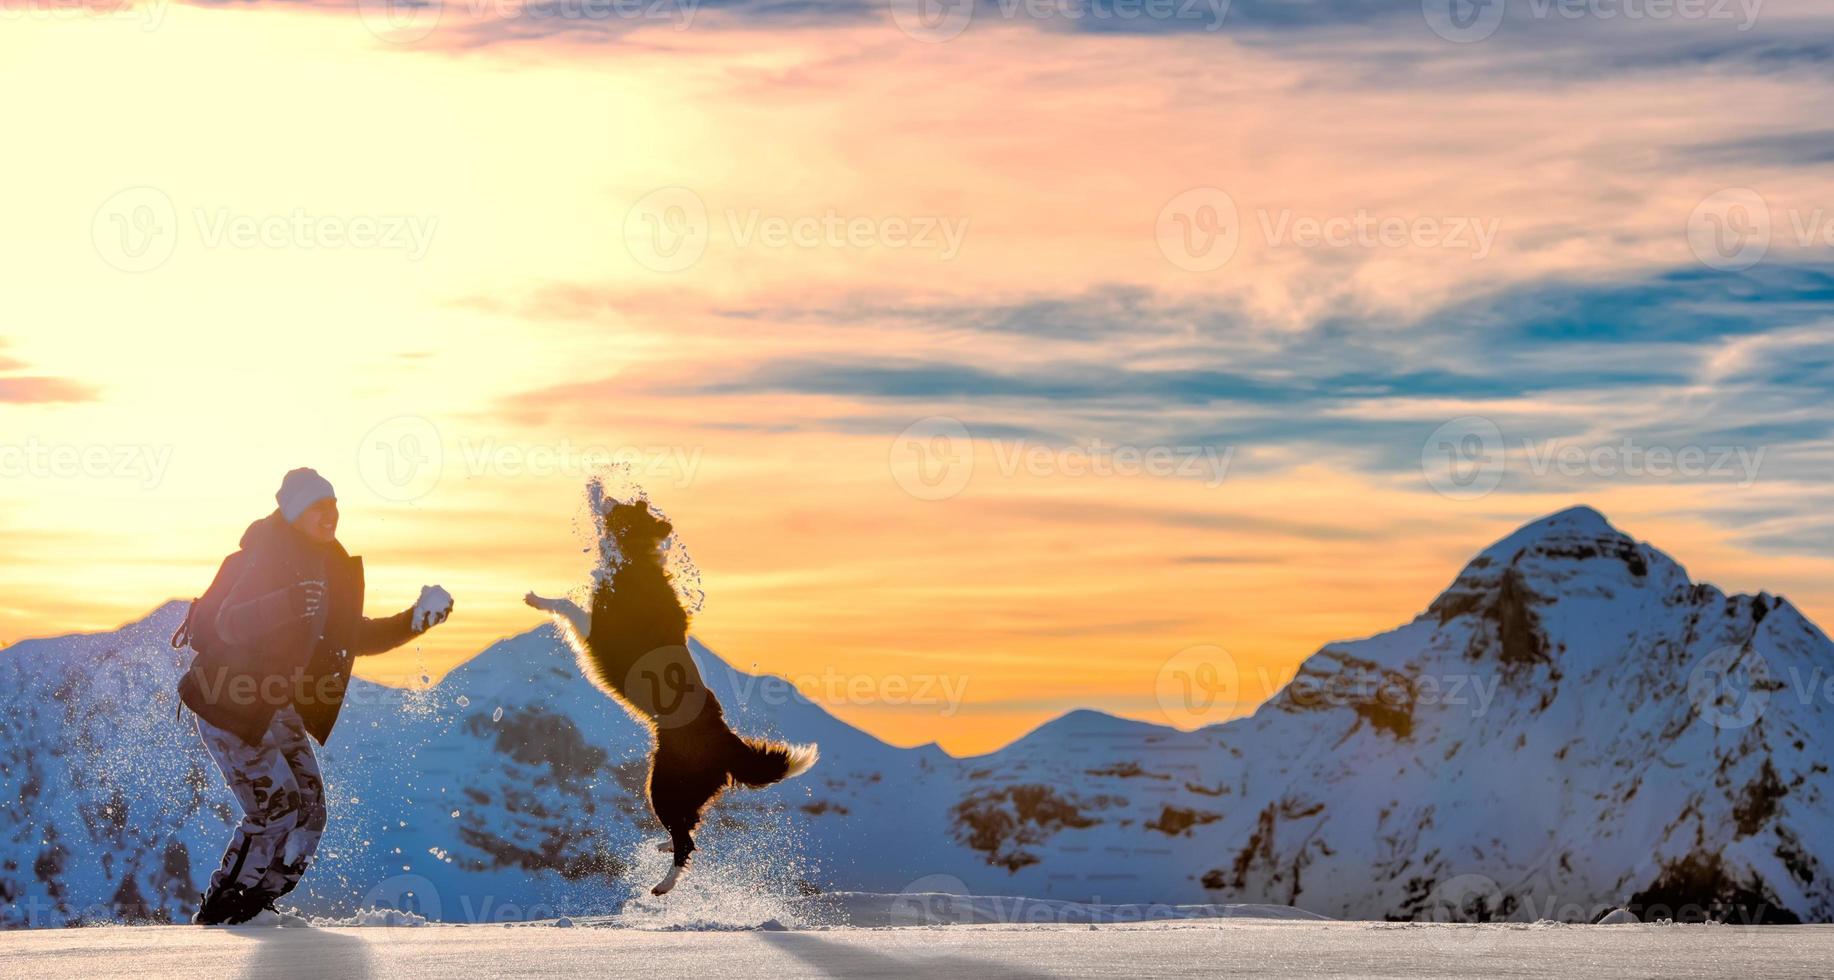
(434, 606)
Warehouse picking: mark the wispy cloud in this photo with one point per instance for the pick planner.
(37, 390)
(1787, 149)
(40, 391)
(1677, 359)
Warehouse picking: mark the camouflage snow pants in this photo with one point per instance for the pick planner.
(283, 804)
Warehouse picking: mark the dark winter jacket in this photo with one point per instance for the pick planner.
(270, 655)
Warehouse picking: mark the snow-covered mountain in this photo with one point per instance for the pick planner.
(1572, 725)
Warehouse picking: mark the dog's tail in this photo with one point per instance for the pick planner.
(756, 763)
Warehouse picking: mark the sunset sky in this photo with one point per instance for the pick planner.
(989, 361)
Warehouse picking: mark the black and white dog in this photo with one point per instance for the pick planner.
(634, 646)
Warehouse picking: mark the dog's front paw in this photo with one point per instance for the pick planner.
(536, 601)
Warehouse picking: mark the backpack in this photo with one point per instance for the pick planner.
(199, 630)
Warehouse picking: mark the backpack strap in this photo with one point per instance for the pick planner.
(181, 637)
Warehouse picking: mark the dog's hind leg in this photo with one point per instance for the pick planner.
(675, 805)
(678, 799)
(681, 836)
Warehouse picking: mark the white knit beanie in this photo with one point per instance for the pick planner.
(300, 489)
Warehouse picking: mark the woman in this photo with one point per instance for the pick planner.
(275, 636)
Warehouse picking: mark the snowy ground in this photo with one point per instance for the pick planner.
(1208, 948)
